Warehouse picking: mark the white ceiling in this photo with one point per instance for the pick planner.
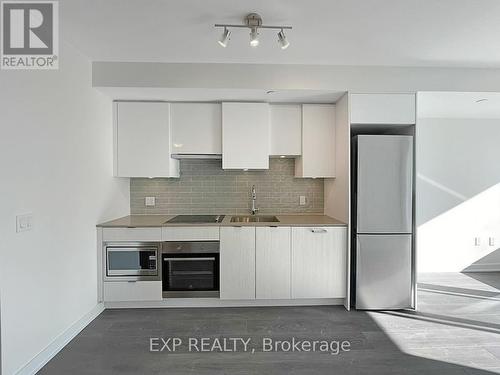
(220, 95)
(338, 32)
(465, 105)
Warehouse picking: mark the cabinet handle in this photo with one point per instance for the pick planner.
(186, 259)
(316, 230)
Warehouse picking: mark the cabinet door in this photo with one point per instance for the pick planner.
(286, 129)
(383, 109)
(196, 128)
(245, 136)
(273, 262)
(319, 262)
(142, 140)
(237, 262)
(318, 142)
(132, 291)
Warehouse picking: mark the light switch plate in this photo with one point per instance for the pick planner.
(150, 201)
(24, 222)
(302, 200)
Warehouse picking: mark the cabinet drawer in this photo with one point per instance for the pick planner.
(115, 291)
(190, 233)
(131, 234)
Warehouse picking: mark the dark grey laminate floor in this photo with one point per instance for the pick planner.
(455, 331)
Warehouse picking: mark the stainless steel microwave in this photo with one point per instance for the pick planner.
(133, 261)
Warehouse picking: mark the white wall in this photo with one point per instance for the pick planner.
(56, 162)
(458, 194)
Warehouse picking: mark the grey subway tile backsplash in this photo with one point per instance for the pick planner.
(205, 188)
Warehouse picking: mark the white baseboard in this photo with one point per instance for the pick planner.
(41, 359)
(216, 302)
(487, 267)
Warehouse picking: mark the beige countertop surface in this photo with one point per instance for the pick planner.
(299, 220)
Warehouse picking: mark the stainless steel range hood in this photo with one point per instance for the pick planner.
(197, 156)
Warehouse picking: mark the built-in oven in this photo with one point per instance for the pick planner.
(133, 261)
(190, 269)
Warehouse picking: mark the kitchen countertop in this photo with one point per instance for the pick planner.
(299, 220)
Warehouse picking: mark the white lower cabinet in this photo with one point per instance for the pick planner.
(255, 262)
(319, 262)
(273, 263)
(125, 291)
(237, 262)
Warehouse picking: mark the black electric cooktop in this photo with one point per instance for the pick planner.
(196, 219)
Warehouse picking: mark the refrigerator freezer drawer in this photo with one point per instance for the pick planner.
(383, 272)
(385, 180)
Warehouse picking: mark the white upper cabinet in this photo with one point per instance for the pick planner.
(196, 128)
(245, 136)
(318, 142)
(286, 129)
(398, 109)
(142, 140)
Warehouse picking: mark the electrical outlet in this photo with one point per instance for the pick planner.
(302, 200)
(477, 241)
(491, 241)
(24, 222)
(150, 201)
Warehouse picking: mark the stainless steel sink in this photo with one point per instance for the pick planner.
(254, 219)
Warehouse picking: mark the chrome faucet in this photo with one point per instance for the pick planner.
(254, 197)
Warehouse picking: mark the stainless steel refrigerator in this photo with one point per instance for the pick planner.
(383, 195)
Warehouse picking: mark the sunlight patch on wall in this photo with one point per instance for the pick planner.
(449, 238)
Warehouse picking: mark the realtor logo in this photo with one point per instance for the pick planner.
(30, 35)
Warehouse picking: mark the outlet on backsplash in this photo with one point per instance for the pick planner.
(302, 200)
(150, 201)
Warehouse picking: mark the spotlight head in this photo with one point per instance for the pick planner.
(282, 40)
(224, 39)
(254, 37)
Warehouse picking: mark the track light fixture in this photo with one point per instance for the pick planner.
(254, 22)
